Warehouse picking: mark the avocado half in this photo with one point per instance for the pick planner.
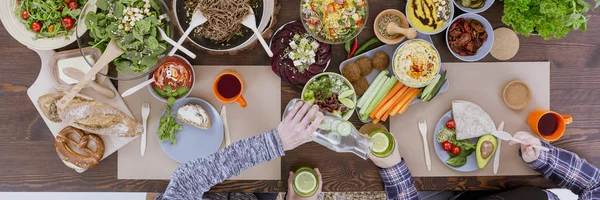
(486, 147)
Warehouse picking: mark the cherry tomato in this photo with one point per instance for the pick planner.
(73, 5)
(36, 27)
(25, 14)
(447, 146)
(456, 150)
(450, 124)
(68, 22)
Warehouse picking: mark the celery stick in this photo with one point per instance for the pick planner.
(363, 99)
(372, 95)
(385, 89)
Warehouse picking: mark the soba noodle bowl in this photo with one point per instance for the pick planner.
(224, 18)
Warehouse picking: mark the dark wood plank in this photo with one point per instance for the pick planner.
(28, 161)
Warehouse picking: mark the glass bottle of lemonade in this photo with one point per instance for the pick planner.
(338, 135)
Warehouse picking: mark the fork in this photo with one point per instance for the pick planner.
(165, 37)
(250, 22)
(423, 129)
(197, 20)
(145, 114)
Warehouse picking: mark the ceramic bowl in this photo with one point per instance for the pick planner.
(487, 44)
(451, 5)
(487, 5)
(349, 112)
(181, 97)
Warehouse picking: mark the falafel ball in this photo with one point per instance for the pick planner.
(365, 64)
(351, 71)
(360, 86)
(381, 61)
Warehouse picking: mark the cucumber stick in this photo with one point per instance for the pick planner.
(380, 94)
(363, 99)
(438, 86)
(372, 95)
(427, 91)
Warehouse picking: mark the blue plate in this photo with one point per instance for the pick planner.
(193, 142)
(471, 160)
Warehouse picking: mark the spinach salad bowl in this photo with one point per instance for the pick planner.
(134, 25)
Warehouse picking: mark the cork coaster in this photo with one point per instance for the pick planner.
(516, 95)
(369, 127)
(506, 44)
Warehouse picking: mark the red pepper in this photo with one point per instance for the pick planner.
(353, 49)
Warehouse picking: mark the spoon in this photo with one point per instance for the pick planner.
(507, 137)
(142, 85)
(393, 28)
(197, 20)
(250, 22)
(111, 52)
(77, 74)
(164, 36)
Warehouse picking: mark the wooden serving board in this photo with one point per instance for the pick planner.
(43, 85)
(481, 83)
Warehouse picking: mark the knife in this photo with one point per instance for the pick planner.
(497, 156)
(225, 126)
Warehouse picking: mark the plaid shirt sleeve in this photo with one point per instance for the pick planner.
(568, 171)
(399, 183)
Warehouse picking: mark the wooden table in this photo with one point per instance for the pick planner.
(28, 161)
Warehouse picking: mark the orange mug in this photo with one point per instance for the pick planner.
(547, 124)
(228, 87)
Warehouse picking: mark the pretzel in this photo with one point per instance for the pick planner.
(71, 157)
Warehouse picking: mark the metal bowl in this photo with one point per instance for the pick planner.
(83, 39)
(237, 42)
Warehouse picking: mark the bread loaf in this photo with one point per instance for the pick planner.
(87, 114)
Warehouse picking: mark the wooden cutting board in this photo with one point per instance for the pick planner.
(263, 113)
(482, 84)
(43, 85)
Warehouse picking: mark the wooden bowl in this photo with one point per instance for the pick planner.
(403, 25)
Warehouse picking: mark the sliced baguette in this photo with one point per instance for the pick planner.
(90, 115)
(194, 115)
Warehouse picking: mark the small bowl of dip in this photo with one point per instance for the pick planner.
(175, 75)
(429, 16)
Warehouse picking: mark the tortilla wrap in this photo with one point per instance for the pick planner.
(471, 120)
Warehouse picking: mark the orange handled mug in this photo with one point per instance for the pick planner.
(547, 124)
(228, 87)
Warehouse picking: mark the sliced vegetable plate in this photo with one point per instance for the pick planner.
(390, 49)
(444, 156)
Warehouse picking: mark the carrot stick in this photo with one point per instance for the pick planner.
(405, 101)
(375, 121)
(405, 106)
(401, 101)
(387, 97)
(386, 115)
(389, 104)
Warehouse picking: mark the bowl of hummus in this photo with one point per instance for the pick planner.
(429, 16)
(416, 63)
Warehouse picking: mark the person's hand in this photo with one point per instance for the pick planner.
(387, 162)
(301, 122)
(291, 194)
(528, 153)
